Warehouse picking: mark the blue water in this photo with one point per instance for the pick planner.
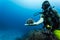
(13, 17)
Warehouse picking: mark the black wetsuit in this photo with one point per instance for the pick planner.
(51, 18)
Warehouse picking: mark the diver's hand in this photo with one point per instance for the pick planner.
(36, 23)
(31, 24)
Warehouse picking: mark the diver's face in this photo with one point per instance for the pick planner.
(45, 5)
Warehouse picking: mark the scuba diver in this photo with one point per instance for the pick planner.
(49, 17)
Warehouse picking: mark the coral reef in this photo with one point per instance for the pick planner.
(39, 35)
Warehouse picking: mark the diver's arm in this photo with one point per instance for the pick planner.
(36, 23)
(39, 21)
